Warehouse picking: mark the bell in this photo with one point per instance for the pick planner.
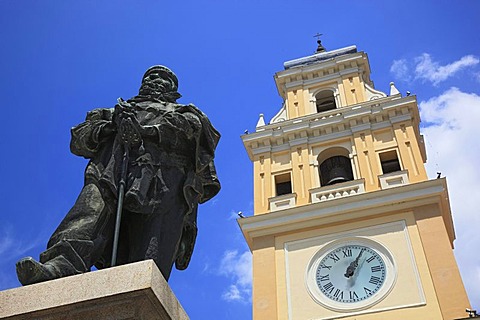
(334, 170)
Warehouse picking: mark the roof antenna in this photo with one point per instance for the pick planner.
(320, 48)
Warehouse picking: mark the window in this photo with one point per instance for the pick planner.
(283, 184)
(335, 169)
(389, 162)
(325, 101)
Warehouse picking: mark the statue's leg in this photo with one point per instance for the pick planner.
(76, 244)
(157, 235)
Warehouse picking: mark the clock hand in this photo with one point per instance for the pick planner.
(353, 265)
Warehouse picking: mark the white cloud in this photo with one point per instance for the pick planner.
(400, 70)
(425, 68)
(6, 242)
(232, 294)
(12, 245)
(477, 76)
(453, 148)
(206, 268)
(238, 267)
(432, 71)
(214, 202)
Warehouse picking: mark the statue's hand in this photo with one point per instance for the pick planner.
(108, 129)
(129, 132)
(123, 110)
(124, 119)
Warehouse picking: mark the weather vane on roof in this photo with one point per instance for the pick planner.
(320, 48)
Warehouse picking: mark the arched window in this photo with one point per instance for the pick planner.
(335, 166)
(325, 101)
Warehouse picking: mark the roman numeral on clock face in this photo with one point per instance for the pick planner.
(347, 253)
(376, 268)
(324, 278)
(374, 280)
(338, 294)
(367, 291)
(324, 266)
(353, 295)
(370, 259)
(334, 257)
(329, 287)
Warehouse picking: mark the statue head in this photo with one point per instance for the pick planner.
(159, 81)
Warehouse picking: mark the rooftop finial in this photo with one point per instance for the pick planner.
(320, 48)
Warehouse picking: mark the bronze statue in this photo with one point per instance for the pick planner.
(150, 158)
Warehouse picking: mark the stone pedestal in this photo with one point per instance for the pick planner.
(133, 291)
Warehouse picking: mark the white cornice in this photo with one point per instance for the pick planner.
(403, 117)
(357, 111)
(330, 137)
(300, 73)
(319, 57)
(327, 120)
(339, 122)
(283, 147)
(330, 77)
(361, 127)
(344, 209)
(299, 141)
(295, 126)
(380, 125)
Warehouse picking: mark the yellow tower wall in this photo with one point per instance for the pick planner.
(428, 284)
(444, 270)
(264, 273)
(400, 208)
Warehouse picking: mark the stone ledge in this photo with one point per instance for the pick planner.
(133, 291)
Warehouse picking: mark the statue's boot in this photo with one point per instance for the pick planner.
(30, 271)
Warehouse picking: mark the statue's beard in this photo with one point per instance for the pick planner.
(158, 91)
(152, 88)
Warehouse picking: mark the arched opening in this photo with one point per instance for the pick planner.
(335, 166)
(325, 101)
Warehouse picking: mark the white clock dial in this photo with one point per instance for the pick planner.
(350, 273)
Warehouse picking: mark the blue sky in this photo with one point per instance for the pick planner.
(60, 59)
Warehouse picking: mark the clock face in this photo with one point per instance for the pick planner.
(350, 273)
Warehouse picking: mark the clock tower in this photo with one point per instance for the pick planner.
(346, 222)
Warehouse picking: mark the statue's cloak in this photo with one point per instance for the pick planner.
(181, 136)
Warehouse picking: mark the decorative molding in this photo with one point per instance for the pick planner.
(336, 191)
(282, 202)
(260, 122)
(338, 122)
(373, 94)
(281, 114)
(319, 57)
(332, 76)
(311, 70)
(393, 179)
(343, 209)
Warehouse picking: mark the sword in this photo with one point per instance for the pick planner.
(128, 139)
